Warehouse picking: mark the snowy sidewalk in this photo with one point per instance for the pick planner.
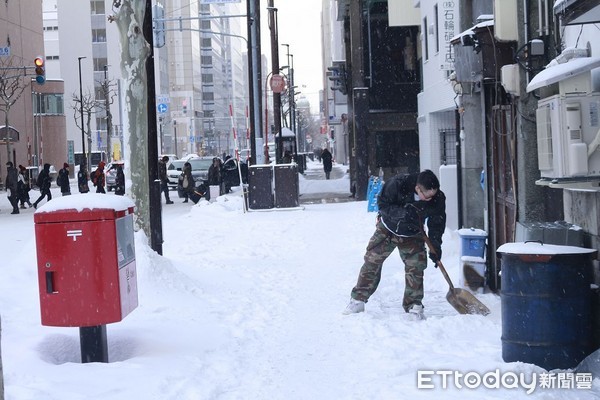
(315, 189)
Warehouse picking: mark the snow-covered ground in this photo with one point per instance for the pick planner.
(248, 306)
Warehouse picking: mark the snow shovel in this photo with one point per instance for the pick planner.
(462, 300)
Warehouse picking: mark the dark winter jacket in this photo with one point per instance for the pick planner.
(187, 180)
(82, 179)
(327, 163)
(63, 181)
(120, 181)
(44, 180)
(214, 172)
(12, 179)
(403, 213)
(162, 172)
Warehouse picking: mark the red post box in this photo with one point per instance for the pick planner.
(86, 260)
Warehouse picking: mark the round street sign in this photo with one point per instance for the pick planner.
(277, 83)
(162, 108)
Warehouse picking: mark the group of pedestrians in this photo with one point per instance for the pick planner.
(18, 185)
(186, 182)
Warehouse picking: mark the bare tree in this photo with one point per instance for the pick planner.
(129, 17)
(12, 85)
(90, 106)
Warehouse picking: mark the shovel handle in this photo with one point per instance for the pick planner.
(441, 267)
(438, 262)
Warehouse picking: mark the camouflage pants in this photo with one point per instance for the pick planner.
(381, 245)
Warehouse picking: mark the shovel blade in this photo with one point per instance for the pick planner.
(464, 302)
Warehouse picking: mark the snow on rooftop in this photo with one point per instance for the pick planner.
(471, 31)
(538, 248)
(558, 72)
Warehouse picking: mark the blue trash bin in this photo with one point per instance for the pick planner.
(373, 190)
(472, 242)
(546, 299)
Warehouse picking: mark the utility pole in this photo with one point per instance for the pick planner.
(156, 238)
(273, 27)
(254, 78)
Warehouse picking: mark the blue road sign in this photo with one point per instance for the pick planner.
(162, 108)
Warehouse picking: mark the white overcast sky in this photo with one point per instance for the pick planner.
(300, 27)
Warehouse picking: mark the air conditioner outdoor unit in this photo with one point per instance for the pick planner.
(568, 137)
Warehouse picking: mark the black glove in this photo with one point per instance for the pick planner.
(434, 258)
(435, 255)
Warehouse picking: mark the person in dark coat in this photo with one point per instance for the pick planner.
(23, 187)
(229, 174)
(405, 203)
(63, 180)
(12, 186)
(120, 181)
(164, 178)
(99, 178)
(43, 182)
(214, 173)
(186, 181)
(82, 179)
(327, 162)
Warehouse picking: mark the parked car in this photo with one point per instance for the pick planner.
(200, 167)
(111, 174)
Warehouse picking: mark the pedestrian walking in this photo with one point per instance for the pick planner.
(82, 179)
(23, 187)
(327, 162)
(186, 182)
(99, 178)
(405, 202)
(43, 182)
(164, 178)
(63, 180)
(12, 186)
(120, 181)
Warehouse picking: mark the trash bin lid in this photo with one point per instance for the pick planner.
(464, 232)
(84, 207)
(537, 248)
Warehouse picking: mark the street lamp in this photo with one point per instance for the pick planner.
(81, 110)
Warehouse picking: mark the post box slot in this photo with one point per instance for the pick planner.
(50, 282)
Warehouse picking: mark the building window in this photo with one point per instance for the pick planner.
(425, 40)
(207, 78)
(48, 104)
(99, 35)
(447, 146)
(206, 60)
(99, 64)
(206, 42)
(101, 123)
(97, 7)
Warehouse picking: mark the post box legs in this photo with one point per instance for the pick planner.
(94, 347)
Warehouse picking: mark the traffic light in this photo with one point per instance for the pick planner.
(40, 70)
(339, 76)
